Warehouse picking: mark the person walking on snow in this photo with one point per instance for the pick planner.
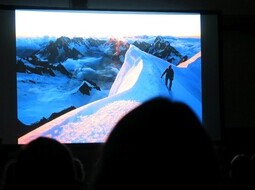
(169, 72)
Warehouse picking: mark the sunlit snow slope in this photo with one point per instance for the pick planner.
(137, 81)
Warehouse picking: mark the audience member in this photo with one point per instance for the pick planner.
(253, 170)
(80, 173)
(44, 163)
(241, 172)
(160, 144)
(7, 181)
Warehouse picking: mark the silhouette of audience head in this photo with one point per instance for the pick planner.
(159, 144)
(44, 163)
(241, 172)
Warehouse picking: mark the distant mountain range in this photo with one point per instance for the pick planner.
(137, 81)
(49, 58)
(64, 48)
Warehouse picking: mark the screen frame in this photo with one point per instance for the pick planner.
(211, 76)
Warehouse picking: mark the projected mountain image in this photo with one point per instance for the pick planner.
(76, 89)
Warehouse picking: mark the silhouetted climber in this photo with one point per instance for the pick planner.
(146, 151)
(169, 72)
(44, 163)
